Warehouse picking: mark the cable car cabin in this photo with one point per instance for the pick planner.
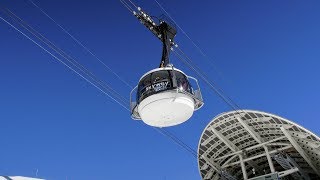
(165, 97)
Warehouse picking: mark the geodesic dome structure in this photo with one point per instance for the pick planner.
(247, 144)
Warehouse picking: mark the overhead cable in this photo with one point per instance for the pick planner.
(61, 61)
(80, 43)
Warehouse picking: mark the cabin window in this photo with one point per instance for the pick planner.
(142, 89)
(182, 82)
(160, 81)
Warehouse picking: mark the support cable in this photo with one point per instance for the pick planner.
(125, 4)
(61, 61)
(209, 60)
(71, 60)
(133, 4)
(80, 43)
(203, 77)
(210, 82)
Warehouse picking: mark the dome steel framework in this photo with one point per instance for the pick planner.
(249, 144)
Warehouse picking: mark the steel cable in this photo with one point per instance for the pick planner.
(71, 60)
(66, 56)
(80, 43)
(61, 61)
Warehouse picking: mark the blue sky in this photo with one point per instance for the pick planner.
(266, 54)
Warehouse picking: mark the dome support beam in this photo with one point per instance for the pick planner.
(258, 156)
(243, 167)
(217, 168)
(252, 147)
(257, 138)
(300, 150)
(230, 145)
(288, 172)
(269, 159)
(254, 135)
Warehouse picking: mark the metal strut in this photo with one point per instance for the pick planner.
(168, 33)
(163, 31)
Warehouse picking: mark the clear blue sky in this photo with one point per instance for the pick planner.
(267, 54)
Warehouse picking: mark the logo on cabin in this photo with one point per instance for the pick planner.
(158, 86)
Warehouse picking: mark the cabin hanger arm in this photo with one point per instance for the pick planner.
(163, 31)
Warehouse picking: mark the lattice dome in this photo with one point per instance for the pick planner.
(245, 144)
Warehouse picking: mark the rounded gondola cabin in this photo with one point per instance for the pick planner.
(165, 97)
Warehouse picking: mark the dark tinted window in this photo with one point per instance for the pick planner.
(153, 83)
(182, 82)
(160, 81)
(143, 84)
